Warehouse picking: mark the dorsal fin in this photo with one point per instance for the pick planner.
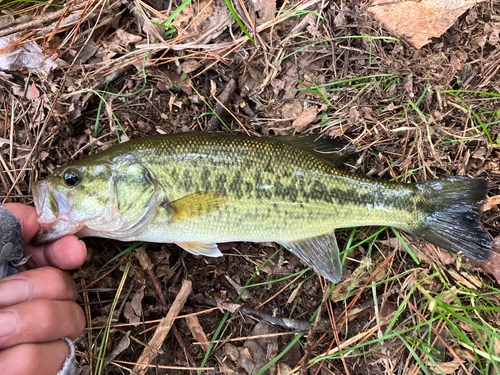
(332, 151)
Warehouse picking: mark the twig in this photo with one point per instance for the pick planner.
(224, 98)
(47, 17)
(142, 256)
(310, 337)
(298, 325)
(163, 329)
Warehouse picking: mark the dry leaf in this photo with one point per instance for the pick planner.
(205, 10)
(305, 119)
(32, 92)
(491, 202)
(122, 345)
(232, 351)
(124, 38)
(197, 331)
(129, 313)
(254, 355)
(291, 110)
(293, 295)
(419, 21)
(137, 301)
(445, 367)
(266, 9)
(28, 56)
(339, 20)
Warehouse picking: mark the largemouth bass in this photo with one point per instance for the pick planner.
(198, 189)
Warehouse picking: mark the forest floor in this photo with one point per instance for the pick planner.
(403, 306)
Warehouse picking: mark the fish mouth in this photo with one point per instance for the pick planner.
(53, 214)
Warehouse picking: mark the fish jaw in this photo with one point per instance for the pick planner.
(53, 210)
(54, 231)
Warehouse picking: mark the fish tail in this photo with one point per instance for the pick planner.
(451, 218)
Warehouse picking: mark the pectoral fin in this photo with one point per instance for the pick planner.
(320, 253)
(201, 248)
(195, 205)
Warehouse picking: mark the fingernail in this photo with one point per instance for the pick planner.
(8, 323)
(13, 292)
(84, 247)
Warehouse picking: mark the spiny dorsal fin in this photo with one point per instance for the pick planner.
(327, 149)
(195, 205)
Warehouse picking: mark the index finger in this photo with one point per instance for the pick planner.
(28, 218)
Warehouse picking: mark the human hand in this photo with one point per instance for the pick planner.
(37, 306)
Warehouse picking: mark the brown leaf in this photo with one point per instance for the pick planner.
(491, 202)
(266, 9)
(232, 351)
(129, 313)
(137, 301)
(419, 21)
(446, 367)
(492, 266)
(291, 110)
(32, 92)
(339, 20)
(122, 345)
(305, 119)
(197, 331)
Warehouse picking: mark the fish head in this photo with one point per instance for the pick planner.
(113, 199)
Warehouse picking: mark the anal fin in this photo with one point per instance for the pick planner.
(320, 253)
(201, 248)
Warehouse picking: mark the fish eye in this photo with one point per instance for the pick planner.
(72, 176)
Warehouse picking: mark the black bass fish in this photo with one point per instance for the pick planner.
(198, 189)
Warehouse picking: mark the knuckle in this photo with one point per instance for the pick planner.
(62, 284)
(80, 320)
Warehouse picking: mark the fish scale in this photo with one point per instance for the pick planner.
(269, 198)
(197, 189)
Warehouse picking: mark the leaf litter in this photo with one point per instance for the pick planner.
(81, 77)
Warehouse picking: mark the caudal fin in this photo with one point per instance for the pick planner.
(452, 216)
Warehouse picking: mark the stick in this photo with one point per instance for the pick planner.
(163, 329)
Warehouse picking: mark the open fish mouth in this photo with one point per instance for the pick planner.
(53, 214)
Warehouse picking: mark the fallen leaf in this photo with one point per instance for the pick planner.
(254, 355)
(266, 9)
(122, 345)
(227, 368)
(28, 56)
(491, 202)
(124, 38)
(339, 20)
(305, 119)
(232, 351)
(196, 329)
(445, 367)
(291, 109)
(419, 21)
(294, 294)
(137, 301)
(32, 92)
(129, 313)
